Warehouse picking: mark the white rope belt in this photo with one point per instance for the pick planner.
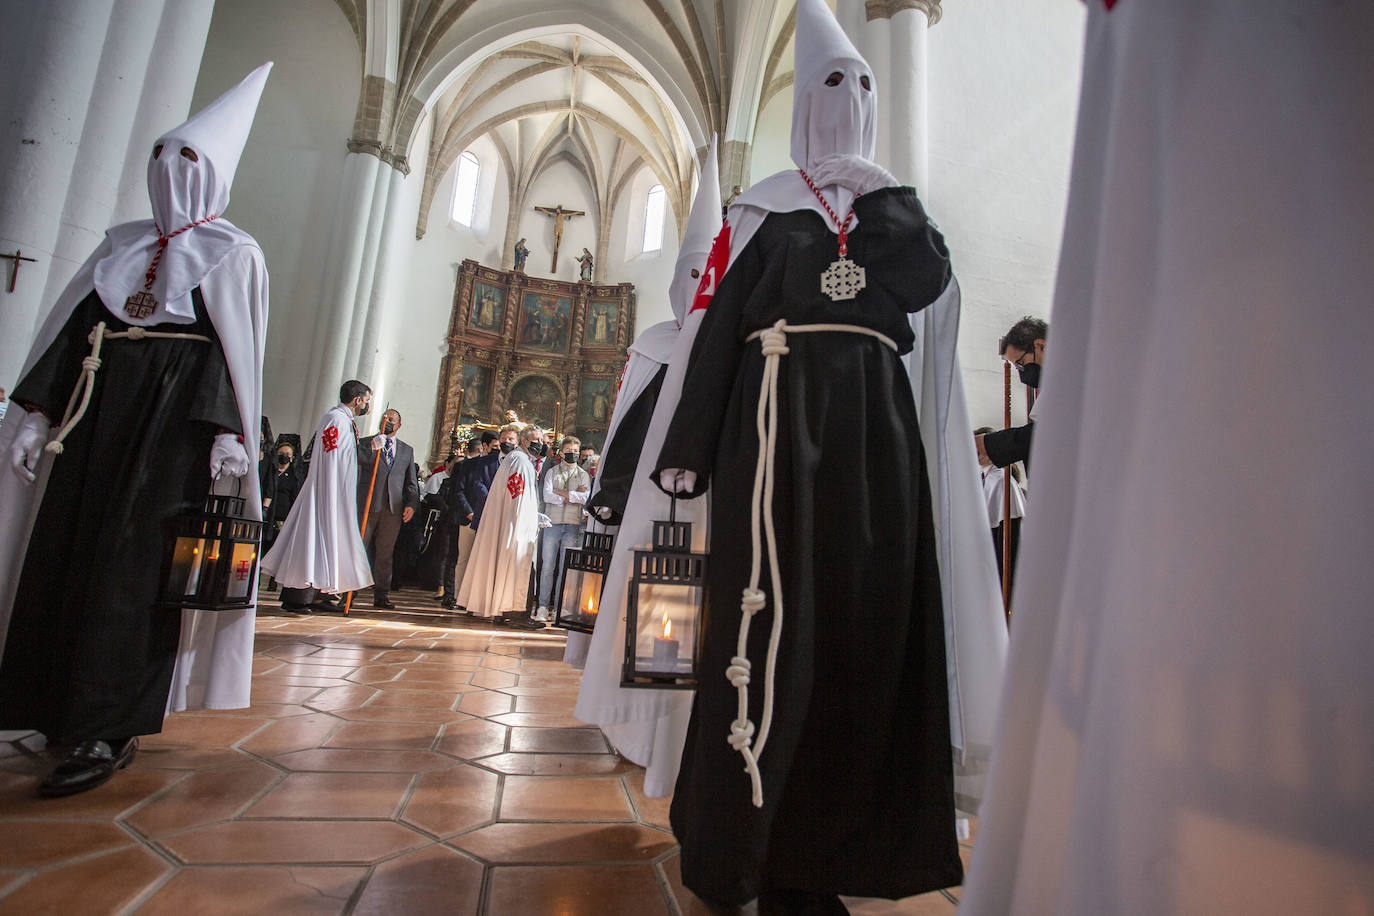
(90, 365)
(774, 341)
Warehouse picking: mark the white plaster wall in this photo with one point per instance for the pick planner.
(772, 150)
(652, 272)
(1003, 84)
(560, 184)
(284, 192)
(420, 299)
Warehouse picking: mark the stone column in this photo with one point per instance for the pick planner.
(49, 57)
(893, 39)
(108, 122)
(178, 45)
(334, 314)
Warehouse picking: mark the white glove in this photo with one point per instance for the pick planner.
(27, 447)
(378, 442)
(603, 513)
(228, 456)
(674, 480)
(544, 520)
(858, 174)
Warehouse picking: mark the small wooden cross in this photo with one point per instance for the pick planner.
(558, 214)
(14, 272)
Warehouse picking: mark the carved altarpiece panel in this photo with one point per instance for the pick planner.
(523, 343)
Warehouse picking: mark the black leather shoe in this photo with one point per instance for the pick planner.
(449, 604)
(90, 765)
(523, 622)
(382, 602)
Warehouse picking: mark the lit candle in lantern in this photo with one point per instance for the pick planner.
(591, 606)
(665, 648)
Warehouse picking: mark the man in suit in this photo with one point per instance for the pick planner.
(395, 497)
(467, 495)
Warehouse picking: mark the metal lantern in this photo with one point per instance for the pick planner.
(580, 582)
(663, 608)
(211, 557)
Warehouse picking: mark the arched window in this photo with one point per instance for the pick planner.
(465, 189)
(653, 219)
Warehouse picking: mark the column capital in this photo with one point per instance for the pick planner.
(885, 9)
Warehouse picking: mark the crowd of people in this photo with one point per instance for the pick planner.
(421, 530)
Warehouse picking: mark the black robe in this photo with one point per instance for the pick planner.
(858, 771)
(616, 472)
(89, 654)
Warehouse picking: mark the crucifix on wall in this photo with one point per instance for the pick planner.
(558, 214)
(17, 257)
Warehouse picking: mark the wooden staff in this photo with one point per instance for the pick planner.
(557, 417)
(367, 507)
(458, 418)
(1006, 497)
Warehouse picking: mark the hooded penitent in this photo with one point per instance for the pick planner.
(213, 660)
(649, 726)
(818, 758)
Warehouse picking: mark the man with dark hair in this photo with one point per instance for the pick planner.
(466, 496)
(395, 495)
(319, 547)
(1023, 347)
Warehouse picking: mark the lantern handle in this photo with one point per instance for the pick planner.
(672, 508)
(238, 485)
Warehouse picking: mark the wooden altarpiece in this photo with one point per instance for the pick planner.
(527, 344)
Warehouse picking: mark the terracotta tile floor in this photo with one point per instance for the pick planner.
(404, 763)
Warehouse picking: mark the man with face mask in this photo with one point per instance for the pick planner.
(161, 335)
(1024, 348)
(497, 578)
(834, 704)
(319, 547)
(565, 489)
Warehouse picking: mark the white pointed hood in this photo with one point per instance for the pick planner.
(184, 192)
(829, 119)
(826, 121)
(702, 227)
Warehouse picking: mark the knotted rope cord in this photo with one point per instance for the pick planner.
(85, 385)
(774, 345)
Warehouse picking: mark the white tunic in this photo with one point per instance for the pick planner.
(498, 576)
(319, 545)
(1187, 724)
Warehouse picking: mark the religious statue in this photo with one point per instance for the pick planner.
(587, 262)
(558, 214)
(522, 253)
(734, 193)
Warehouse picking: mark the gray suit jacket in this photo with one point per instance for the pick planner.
(396, 486)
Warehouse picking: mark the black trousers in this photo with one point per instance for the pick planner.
(447, 545)
(383, 526)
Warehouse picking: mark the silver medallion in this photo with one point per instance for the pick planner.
(842, 280)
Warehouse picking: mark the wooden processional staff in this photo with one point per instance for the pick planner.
(1006, 497)
(367, 507)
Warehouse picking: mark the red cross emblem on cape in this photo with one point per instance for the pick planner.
(331, 438)
(1109, 4)
(241, 570)
(716, 263)
(515, 483)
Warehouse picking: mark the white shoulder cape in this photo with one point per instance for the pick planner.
(648, 727)
(648, 354)
(214, 660)
(319, 545)
(498, 576)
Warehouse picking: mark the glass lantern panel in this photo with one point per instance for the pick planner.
(244, 559)
(581, 598)
(188, 566)
(666, 624)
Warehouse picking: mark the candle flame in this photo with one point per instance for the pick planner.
(667, 627)
(591, 605)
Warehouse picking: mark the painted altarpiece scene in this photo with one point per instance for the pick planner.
(549, 350)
